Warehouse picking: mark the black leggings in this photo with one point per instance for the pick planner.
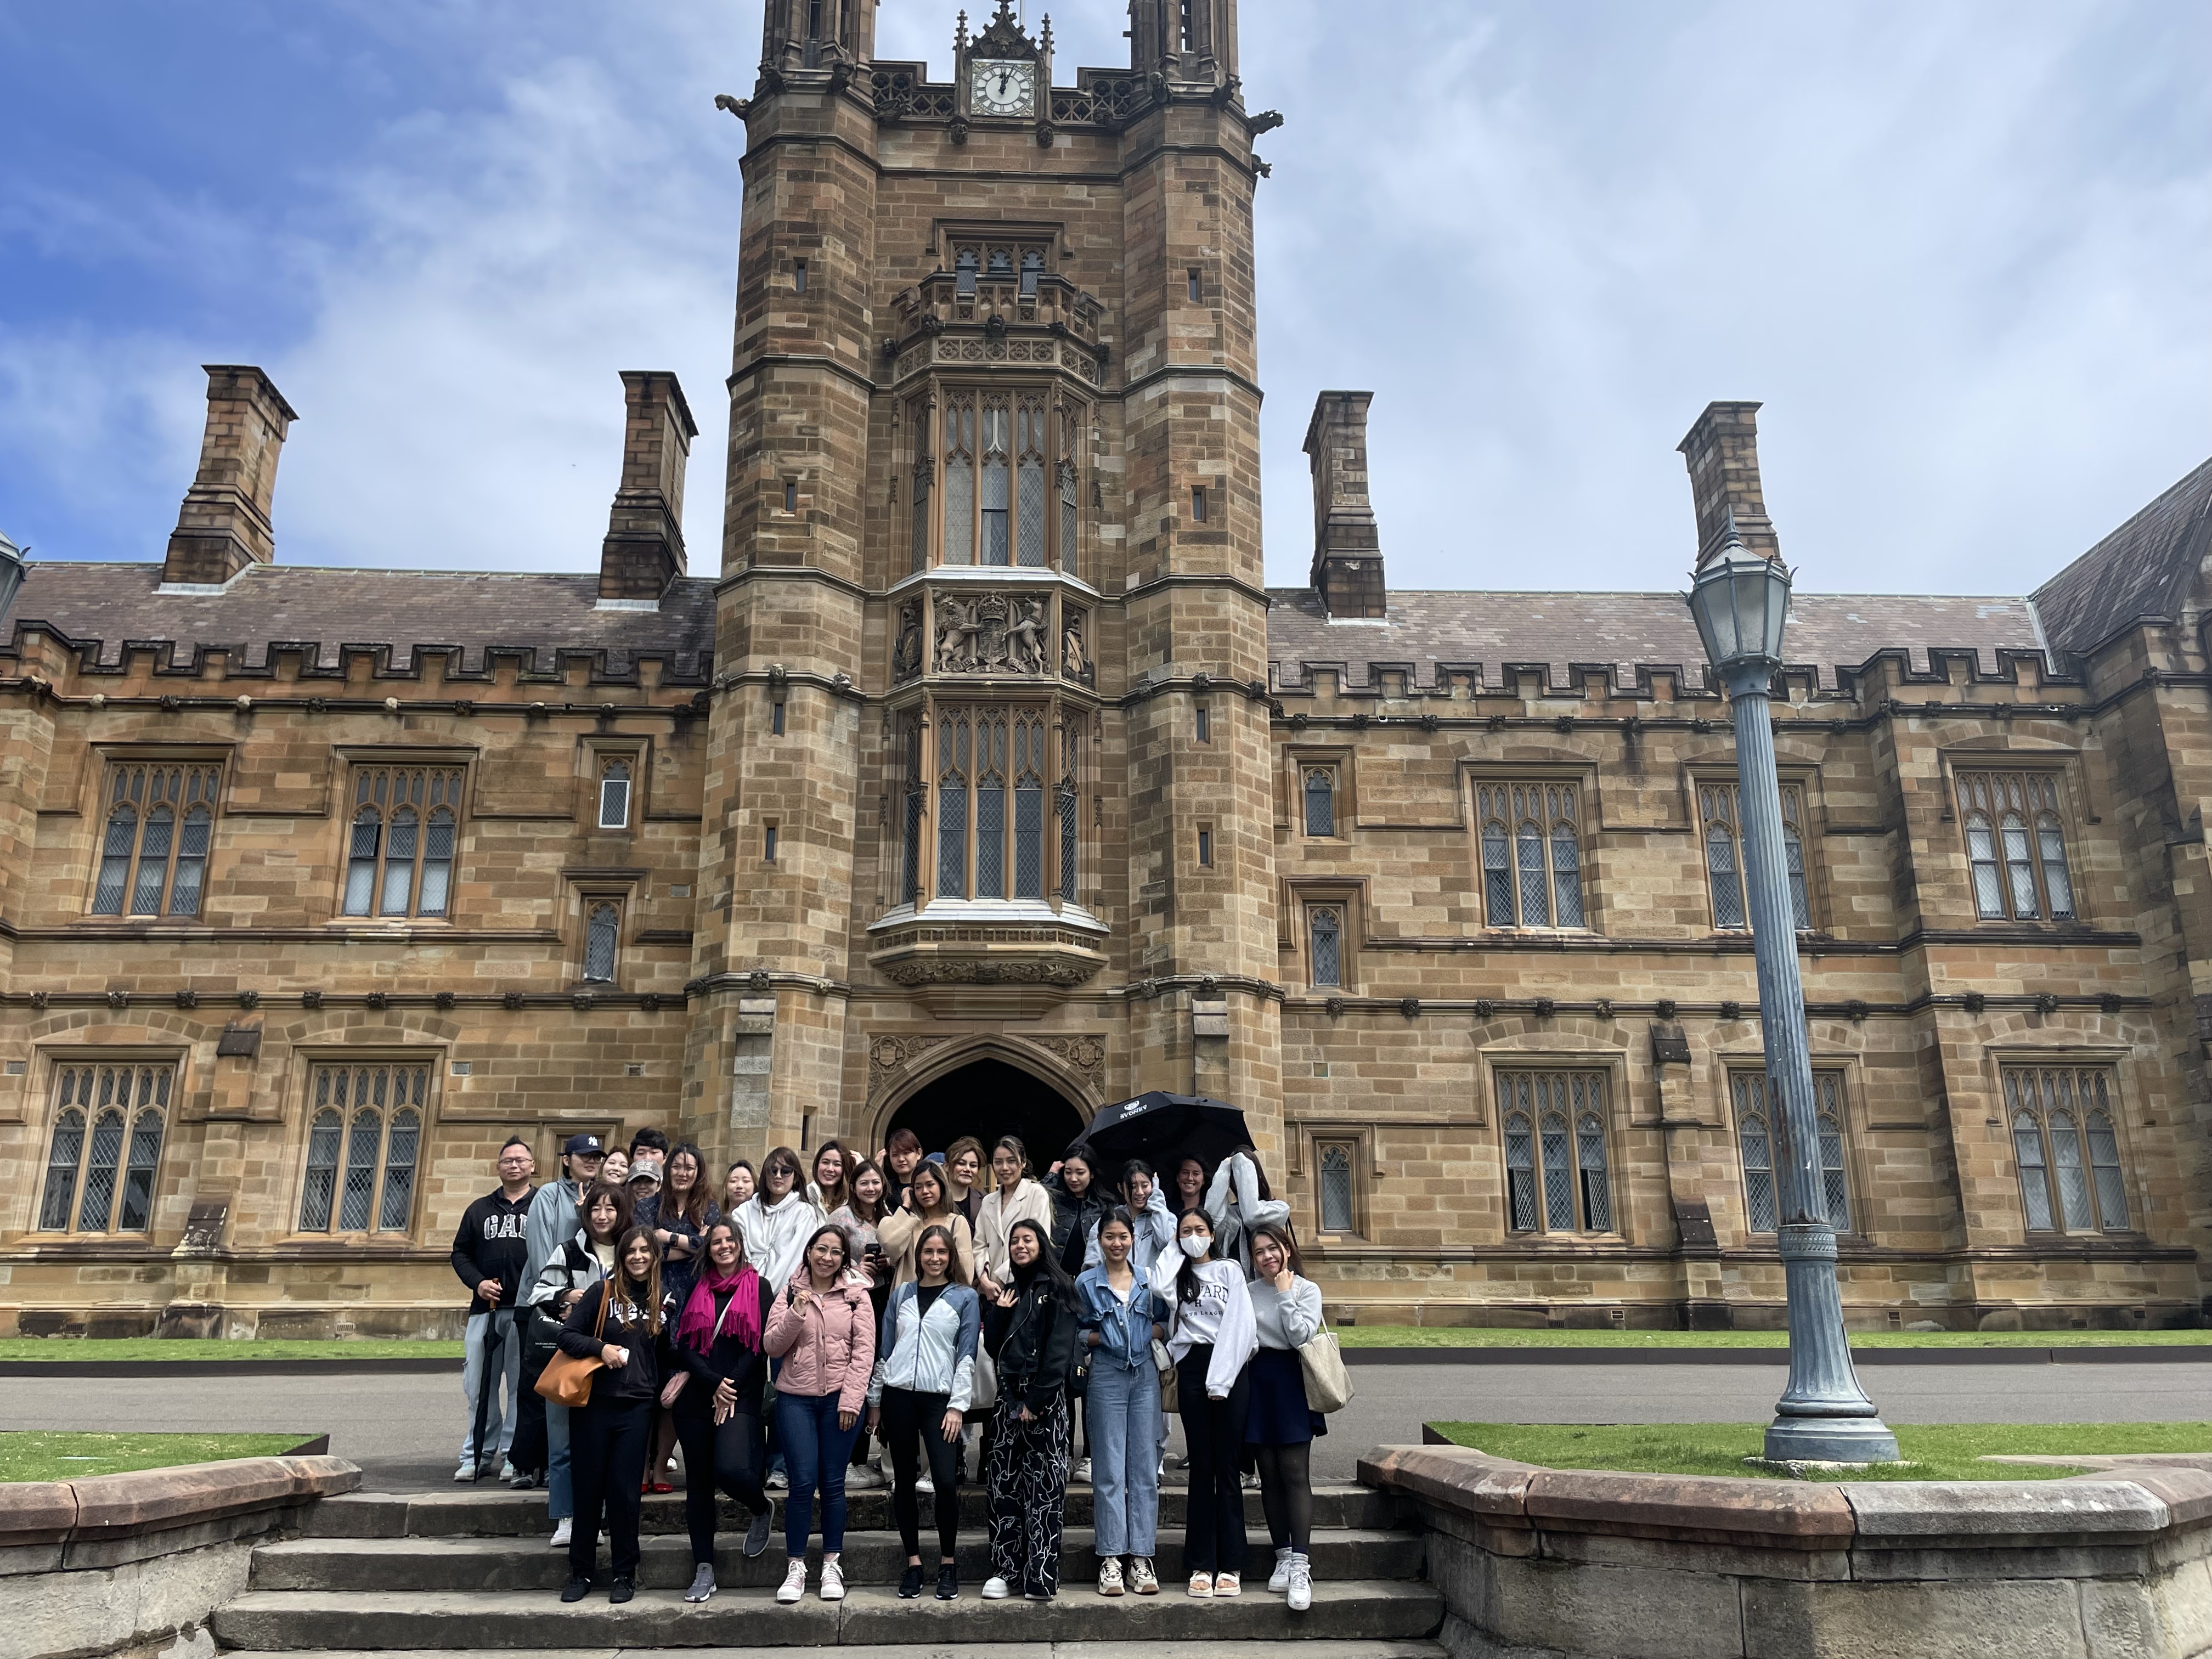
(1286, 1494)
(607, 1452)
(1213, 1516)
(912, 1422)
(733, 1457)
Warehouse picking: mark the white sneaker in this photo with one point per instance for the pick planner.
(833, 1582)
(1301, 1583)
(994, 1589)
(923, 1483)
(1280, 1580)
(562, 1531)
(794, 1581)
(779, 1481)
(1082, 1472)
(1251, 1482)
(465, 1474)
(1109, 1575)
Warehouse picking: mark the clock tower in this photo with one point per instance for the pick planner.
(990, 800)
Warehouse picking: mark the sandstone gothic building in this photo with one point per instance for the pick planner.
(980, 780)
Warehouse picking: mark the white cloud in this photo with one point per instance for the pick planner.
(1960, 252)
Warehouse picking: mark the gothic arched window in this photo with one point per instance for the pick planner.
(2067, 1150)
(109, 1122)
(153, 846)
(602, 933)
(2016, 846)
(1531, 850)
(364, 1142)
(1720, 814)
(1557, 1165)
(1325, 927)
(397, 863)
(1321, 800)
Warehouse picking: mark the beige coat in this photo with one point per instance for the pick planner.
(899, 1230)
(996, 1217)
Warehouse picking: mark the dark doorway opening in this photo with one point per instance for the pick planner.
(988, 1099)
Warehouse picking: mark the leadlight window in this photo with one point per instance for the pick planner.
(2016, 846)
(2070, 1178)
(154, 845)
(1558, 1179)
(602, 934)
(364, 1139)
(614, 795)
(966, 269)
(1336, 1214)
(914, 797)
(960, 479)
(399, 848)
(997, 543)
(993, 768)
(1720, 813)
(1321, 800)
(1032, 273)
(1031, 444)
(1325, 927)
(1069, 797)
(1070, 518)
(1531, 854)
(109, 1121)
(925, 469)
(1761, 1140)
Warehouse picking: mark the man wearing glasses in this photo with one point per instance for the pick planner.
(489, 1254)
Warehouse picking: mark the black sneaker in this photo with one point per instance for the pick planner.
(948, 1582)
(576, 1589)
(910, 1584)
(757, 1533)
(622, 1591)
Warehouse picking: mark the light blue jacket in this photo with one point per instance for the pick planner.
(1125, 1329)
(935, 1355)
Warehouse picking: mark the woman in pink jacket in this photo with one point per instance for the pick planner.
(824, 1330)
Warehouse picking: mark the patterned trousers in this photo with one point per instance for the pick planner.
(1027, 1476)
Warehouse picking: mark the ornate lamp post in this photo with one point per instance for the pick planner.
(1741, 602)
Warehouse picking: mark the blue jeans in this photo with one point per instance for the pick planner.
(1123, 1407)
(560, 1487)
(815, 1451)
(499, 1426)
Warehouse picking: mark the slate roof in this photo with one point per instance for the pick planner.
(101, 608)
(2141, 571)
(1832, 633)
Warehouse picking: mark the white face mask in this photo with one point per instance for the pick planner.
(1195, 1245)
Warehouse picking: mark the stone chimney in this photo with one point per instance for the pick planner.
(1348, 561)
(1723, 453)
(644, 549)
(223, 526)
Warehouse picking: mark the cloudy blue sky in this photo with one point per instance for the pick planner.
(1963, 252)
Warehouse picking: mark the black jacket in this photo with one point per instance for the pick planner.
(581, 1336)
(1033, 1343)
(490, 1245)
(1072, 1218)
(745, 1370)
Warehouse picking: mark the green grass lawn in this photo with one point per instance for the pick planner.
(1472, 1336)
(1935, 1451)
(28, 1455)
(138, 1348)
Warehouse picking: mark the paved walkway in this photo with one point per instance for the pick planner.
(405, 1430)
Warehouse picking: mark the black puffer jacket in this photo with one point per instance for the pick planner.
(1033, 1342)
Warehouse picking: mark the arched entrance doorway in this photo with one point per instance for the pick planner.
(988, 1098)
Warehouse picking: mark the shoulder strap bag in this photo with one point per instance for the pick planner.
(1329, 1385)
(566, 1380)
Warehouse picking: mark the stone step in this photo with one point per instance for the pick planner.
(1309, 1648)
(495, 1511)
(449, 1621)
(526, 1564)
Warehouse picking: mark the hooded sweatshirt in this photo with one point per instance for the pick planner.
(775, 1239)
(490, 1244)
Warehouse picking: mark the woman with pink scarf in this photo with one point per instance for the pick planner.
(716, 1370)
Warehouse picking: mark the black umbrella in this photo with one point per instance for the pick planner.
(1156, 1126)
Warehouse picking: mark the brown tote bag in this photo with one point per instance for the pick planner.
(566, 1380)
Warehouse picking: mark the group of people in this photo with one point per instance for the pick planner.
(901, 1305)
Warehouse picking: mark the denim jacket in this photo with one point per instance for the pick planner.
(1125, 1329)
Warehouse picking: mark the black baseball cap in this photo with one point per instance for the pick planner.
(580, 1144)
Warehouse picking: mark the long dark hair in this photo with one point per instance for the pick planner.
(936, 1229)
(625, 1212)
(1187, 1274)
(1117, 1216)
(726, 1224)
(853, 1200)
(782, 1158)
(827, 1230)
(1047, 1264)
(652, 1273)
(841, 1195)
(1012, 1144)
(1284, 1240)
(691, 1206)
(943, 1183)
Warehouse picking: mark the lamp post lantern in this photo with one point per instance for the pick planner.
(1740, 603)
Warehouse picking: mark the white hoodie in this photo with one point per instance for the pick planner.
(775, 1239)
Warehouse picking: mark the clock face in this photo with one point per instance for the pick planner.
(1003, 87)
